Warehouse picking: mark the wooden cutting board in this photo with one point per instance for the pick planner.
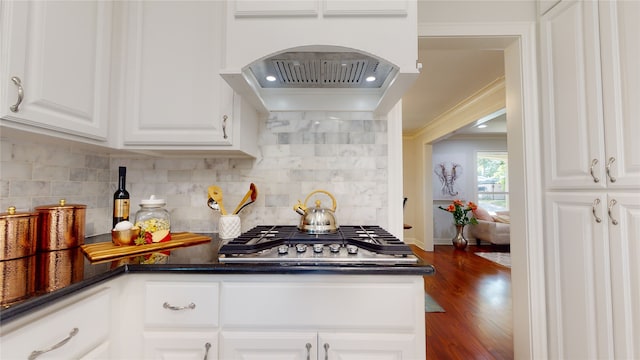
(105, 251)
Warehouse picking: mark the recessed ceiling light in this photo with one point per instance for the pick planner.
(482, 126)
(371, 78)
(270, 78)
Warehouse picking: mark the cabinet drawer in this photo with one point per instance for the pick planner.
(181, 304)
(90, 316)
(320, 305)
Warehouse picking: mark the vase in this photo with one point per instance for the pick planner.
(459, 242)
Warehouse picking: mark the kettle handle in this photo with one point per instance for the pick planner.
(324, 192)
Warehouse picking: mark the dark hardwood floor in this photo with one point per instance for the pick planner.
(476, 296)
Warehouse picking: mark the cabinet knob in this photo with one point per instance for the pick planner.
(596, 202)
(609, 163)
(308, 346)
(594, 162)
(224, 126)
(166, 305)
(611, 204)
(15, 107)
(35, 354)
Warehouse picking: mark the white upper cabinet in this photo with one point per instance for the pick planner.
(174, 96)
(55, 67)
(590, 76)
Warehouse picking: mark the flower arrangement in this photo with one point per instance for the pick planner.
(460, 210)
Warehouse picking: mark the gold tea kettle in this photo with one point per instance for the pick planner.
(317, 220)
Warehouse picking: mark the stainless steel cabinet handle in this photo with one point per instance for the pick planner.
(308, 346)
(611, 204)
(15, 107)
(224, 126)
(207, 346)
(37, 353)
(596, 202)
(594, 162)
(611, 161)
(326, 351)
(166, 305)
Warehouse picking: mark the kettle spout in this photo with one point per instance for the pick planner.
(300, 208)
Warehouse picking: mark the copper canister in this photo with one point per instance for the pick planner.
(17, 259)
(59, 268)
(17, 234)
(60, 226)
(17, 279)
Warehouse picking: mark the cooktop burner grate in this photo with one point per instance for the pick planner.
(369, 237)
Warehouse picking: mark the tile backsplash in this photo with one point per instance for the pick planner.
(344, 153)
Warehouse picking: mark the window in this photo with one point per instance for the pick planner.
(492, 182)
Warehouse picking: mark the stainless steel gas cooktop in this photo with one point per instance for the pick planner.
(288, 245)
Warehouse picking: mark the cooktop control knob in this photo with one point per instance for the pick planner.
(352, 249)
(283, 249)
(334, 248)
(317, 248)
(301, 248)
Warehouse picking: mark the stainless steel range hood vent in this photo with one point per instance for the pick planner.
(321, 78)
(321, 70)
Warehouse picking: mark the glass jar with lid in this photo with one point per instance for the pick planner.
(153, 220)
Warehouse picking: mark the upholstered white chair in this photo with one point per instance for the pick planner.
(491, 228)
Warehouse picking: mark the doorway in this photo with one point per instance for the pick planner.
(518, 44)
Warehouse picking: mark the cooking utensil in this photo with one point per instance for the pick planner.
(254, 196)
(317, 220)
(215, 192)
(245, 198)
(213, 204)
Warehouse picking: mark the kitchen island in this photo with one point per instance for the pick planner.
(191, 304)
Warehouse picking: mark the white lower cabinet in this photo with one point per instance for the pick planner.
(78, 328)
(311, 346)
(180, 319)
(593, 283)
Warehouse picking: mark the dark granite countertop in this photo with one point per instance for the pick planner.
(74, 272)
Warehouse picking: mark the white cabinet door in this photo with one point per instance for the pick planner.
(358, 346)
(573, 130)
(80, 329)
(243, 345)
(578, 276)
(180, 345)
(57, 54)
(310, 346)
(174, 94)
(591, 81)
(619, 29)
(624, 244)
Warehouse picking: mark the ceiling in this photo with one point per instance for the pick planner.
(452, 70)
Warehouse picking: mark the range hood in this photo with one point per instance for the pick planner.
(319, 54)
(306, 79)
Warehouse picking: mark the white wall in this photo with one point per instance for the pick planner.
(463, 150)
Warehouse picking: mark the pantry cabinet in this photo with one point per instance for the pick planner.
(55, 68)
(590, 78)
(174, 97)
(77, 329)
(590, 81)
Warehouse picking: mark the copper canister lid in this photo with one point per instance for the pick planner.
(17, 234)
(60, 205)
(60, 226)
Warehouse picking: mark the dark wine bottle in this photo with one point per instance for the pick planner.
(121, 198)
